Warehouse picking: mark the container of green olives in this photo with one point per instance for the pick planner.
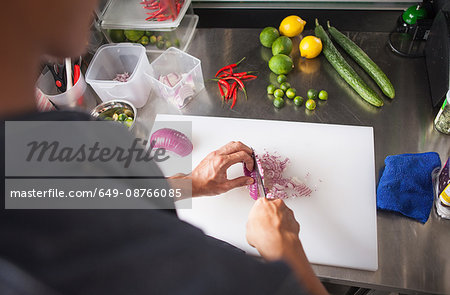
(120, 111)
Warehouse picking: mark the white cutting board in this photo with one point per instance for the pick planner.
(337, 222)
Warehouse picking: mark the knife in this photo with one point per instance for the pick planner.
(259, 179)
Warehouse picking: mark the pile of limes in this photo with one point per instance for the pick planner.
(147, 38)
(281, 44)
(284, 89)
(281, 63)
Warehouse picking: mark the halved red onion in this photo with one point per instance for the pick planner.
(253, 188)
(172, 140)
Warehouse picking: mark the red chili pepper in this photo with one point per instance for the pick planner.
(235, 90)
(240, 75)
(229, 67)
(152, 7)
(239, 82)
(227, 87)
(248, 77)
(221, 91)
(156, 12)
(226, 73)
(230, 93)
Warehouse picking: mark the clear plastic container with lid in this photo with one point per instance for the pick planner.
(176, 76)
(125, 21)
(113, 59)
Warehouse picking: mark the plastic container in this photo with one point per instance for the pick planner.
(121, 15)
(131, 15)
(188, 67)
(113, 59)
(79, 96)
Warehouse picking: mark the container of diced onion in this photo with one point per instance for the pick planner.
(120, 71)
(176, 76)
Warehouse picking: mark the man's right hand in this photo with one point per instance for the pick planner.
(272, 229)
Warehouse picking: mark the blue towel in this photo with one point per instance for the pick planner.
(406, 184)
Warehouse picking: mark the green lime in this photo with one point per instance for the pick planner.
(116, 36)
(281, 64)
(281, 79)
(268, 35)
(278, 102)
(133, 35)
(271, 89)
(312, 93)
(177, 43)
(160, 44)
(291, 92)
(278, 93)
(298, 100)
(323, 95)
(148, 33)
(167, 44)
(144, 40)
(310, 104)
(282, 45)
(285, 86)
(153, 40)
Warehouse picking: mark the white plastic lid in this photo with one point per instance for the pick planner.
(130, 14)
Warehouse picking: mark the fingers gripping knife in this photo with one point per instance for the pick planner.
(259, 178)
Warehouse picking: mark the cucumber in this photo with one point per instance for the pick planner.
(364, 61)
(345, 70)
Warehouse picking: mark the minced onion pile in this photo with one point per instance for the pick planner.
(122, 77)
(277, 185)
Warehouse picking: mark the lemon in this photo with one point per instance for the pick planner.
(310, 47)
(292, 26)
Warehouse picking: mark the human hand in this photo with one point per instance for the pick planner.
(272, 229)
(210, 176)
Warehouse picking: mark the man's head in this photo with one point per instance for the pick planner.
(56, 27)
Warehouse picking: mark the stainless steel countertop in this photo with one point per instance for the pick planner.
(413, 258)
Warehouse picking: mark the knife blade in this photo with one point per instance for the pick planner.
(259, 180)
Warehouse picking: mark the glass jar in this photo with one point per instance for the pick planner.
(442, 121)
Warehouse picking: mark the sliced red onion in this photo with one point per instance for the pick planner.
(173, 78)
(278, 186)
(170, 79)
(172, 140)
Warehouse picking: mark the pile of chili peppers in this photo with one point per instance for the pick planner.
(231, 81)
(164, 9)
